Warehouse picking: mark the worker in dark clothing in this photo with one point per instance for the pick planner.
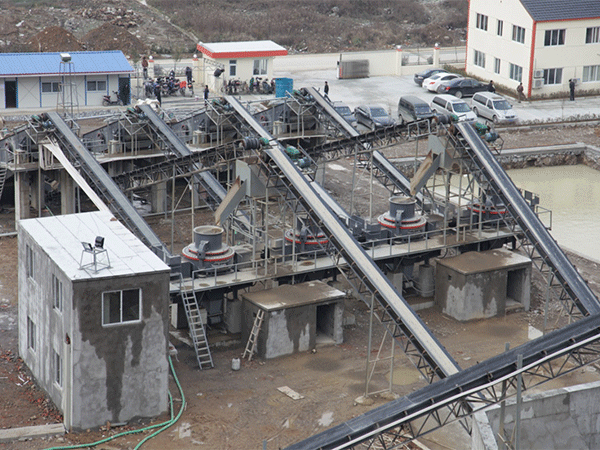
(157, 93)
(491, 87)
(572, 89)
(188, 74)
(206, 93)
(326, 90)
(521, 92)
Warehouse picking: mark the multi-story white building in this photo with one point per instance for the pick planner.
(541, 43)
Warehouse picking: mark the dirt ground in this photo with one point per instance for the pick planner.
(242, 409)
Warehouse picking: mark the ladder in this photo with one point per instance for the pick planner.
(197, 331)
(251, 345)
(3, 173)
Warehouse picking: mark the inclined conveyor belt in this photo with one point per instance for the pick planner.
(436, 355)
(449, 390)
(206, 179)
(117, 201)
(379, 161)
(534, 229)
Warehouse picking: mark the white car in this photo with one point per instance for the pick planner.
(432, 83)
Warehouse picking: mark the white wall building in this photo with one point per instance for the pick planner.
(541, 43)
(238, 60)
(36, 80)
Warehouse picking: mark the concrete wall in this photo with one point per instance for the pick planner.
(52, 325)
(553, 420)
(121, 371)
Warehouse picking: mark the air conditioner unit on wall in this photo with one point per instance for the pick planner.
(537, 83)
(538, 73)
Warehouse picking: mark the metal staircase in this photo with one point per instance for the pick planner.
(3, 174)
(197, 331)
(251, 344)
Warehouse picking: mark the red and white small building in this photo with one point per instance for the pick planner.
(237, 60)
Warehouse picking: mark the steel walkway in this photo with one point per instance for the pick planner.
(97, 177)
(552, 255)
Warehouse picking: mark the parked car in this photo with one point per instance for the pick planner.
(373, 116)
(432, 83)
(344, 110)
(493, 107)
(462, 87)
(445, 104)
(420, 76)
(412, 108)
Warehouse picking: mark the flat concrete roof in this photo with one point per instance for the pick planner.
(294, 295)
(241, 49)
(61, 239)
(487, 261)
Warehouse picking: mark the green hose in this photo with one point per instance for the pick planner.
(163, 425)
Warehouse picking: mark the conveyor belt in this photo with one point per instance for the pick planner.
(206, 179)
(381, 163)
(429, 347)
(104, 185)
(459, 387)
(534, 229)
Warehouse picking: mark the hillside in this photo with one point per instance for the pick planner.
(174, 26)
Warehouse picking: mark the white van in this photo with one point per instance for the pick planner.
(445, 104)
(493, 107)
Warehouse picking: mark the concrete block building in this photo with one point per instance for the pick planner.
(542, 43)
(238, 60)
(477, 285)
(42, 80)
(296, 317)
(93, 318)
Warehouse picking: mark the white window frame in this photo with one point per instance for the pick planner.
(106, 304)
(479, 58)
(50, 87)
(499, 27)
(30, 334)
(553, 38)
(481, 22)
(58, 372)
(590, 74)
(96, 85)
(497, 65)
(553, 76)
(57, 293)
(29, 261)
(518, 34)
(592, 35)
(260, 66)
(516, 72)
(233, 67)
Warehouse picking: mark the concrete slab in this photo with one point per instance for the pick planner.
(35, 432)
(290, 296)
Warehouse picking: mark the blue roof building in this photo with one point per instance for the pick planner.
(35, 80)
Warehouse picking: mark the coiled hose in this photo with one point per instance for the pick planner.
(162, 426)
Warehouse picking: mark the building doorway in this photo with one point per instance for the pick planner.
(10, 93)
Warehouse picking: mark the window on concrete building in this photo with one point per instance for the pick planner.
(29, 261)
(552, 76)
(496, 65)
(50, 86)
(499, 27)
(554, 37)
(30, 334)
(57, 368)
(233, 67)
(479, 58)
(516, 72)
(592, 35)
(590, 73)
(482, 22)
(57, 293)
(121, 306)
(95, 86)
(260, 67)
(518, 34)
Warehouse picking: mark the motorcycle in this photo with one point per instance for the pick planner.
(108, 100)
